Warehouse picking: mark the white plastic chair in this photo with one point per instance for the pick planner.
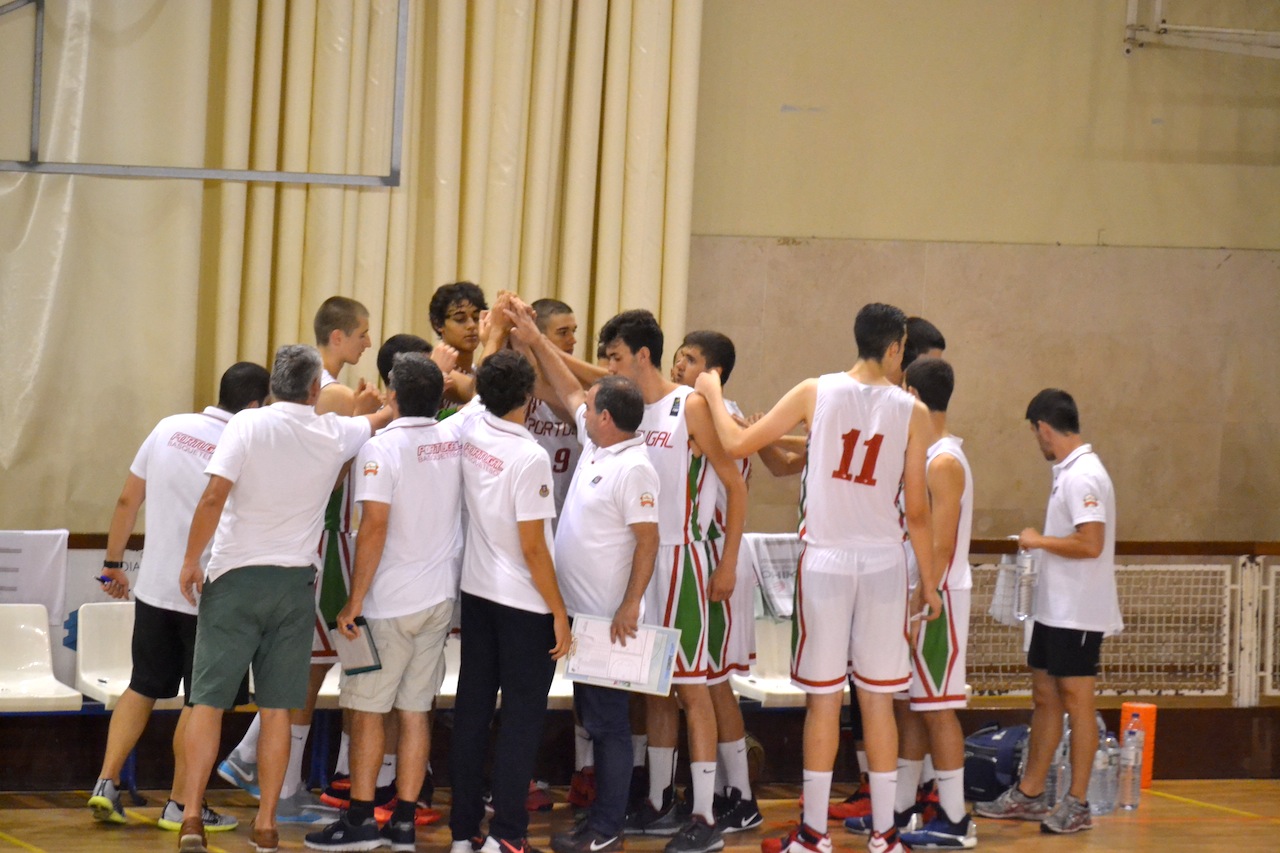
(769, 681)
(327, 698)
(104, 659)
(27, 682)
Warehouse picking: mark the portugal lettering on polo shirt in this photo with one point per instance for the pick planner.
(191, 444)
(442, 450)
(481, 459)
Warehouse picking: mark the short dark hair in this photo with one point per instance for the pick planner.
(1056, 408)
(395, 345)
(922, 336)
(418, 383)
(504, 381)
(621, 398)
(934, 380)
(243, 384)
(545, 309)
(448, 295)
(337, 313)
(600, 351)
(716, 348)
(636, 328)
(876, 328)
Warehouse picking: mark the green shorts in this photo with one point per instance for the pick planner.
(262, 615)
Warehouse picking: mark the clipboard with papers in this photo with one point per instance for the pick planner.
(643, 665)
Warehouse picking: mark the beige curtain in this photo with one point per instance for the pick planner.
(548, 149)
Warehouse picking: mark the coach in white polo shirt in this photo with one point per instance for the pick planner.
(514, 625)
(1076, 605)
(270, 478)
(408, 481)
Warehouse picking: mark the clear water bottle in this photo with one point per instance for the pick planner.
(1058, 783)
(1101, 792)
(1130, 783)
(1025, 588)
(1113, 770)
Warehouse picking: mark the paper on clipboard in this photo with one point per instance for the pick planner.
(643, 665)
(358, 655)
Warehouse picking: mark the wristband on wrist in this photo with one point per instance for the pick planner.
(113, 564)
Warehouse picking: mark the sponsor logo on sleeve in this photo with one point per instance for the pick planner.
(1090, 501)
(596, 480)
(543, 492)
(646, 499)
(371, 468)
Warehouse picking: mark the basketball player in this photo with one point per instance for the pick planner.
(169, 467)
(557, 435)
(865, 436)
(455, 313)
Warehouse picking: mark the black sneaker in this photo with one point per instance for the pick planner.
(734, 813)
(650, 821)
(341, 835)
(399, 835)
(584, 839)
(696, 836)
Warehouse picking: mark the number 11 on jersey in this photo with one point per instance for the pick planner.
(866, 476)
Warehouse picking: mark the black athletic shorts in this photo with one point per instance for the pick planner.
(1064, 652)
(164, 646)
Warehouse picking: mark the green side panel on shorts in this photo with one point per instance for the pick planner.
(333, 512)
(333, 590)
(937, 646)
(717, 633)
(689, 609)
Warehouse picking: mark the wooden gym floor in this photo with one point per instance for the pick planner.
(1175, 816)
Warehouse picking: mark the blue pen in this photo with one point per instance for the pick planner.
(103, 579)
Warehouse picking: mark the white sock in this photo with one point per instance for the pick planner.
(387, 772)
(733, 756)
(247, 750)
(951, 793)
(928, 772)
(582, 749)
(662, 768)
(908, 780)
(293, 771)
(639, 749)
(704, 788)
(343, 765)
(863, 767)
(817, 798)
(883, 788)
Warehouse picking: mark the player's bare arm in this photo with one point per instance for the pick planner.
(203, 524)
(542, 570)
(945, 477)
(565, 387)
(795, 407)
(122, 522)
(369, 544)
(1085, 544)
(627, 617)
(915, 496)
(786, 456)
(697, 413)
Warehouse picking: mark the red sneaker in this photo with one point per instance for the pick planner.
(582, 788)
(858, 804)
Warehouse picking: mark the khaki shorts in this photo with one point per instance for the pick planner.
(261, 615)
(411, 649)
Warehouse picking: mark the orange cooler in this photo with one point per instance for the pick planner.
(1147, 713)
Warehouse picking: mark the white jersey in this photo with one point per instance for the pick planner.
(171, 462)
(326, 378)
(688, 483)
(414, 466)
(722, 499)
(855, 457)
(561, 442)
(958, 574)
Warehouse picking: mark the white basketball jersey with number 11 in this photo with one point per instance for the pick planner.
(856, 448)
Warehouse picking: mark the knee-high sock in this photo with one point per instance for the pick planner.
(951, 793)
(343, 765)
(883, 788)
(247, 749)
(817, 798)
(387, 772)
(662, 769)
(583, 751)
(293, 772)
(908, 781)
(733, 756)
(704, 788)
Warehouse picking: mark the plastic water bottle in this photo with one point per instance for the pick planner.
(1113, 769)
(1026, 586)
(1101, 794)
(1058, 783)
(1131, 764)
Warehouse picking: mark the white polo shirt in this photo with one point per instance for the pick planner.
(613, 488)
(172, 462)
(414, 465)
(1079, 594)
(506, 478)
(283, 461)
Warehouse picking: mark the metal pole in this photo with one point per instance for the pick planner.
(397, 106)
(14, 6)
(111, 170)
(36, 75)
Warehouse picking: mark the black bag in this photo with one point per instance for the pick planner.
(992, 760)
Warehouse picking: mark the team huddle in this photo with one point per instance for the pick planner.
(504, 487)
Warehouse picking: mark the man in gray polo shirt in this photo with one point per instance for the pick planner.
(269, 481)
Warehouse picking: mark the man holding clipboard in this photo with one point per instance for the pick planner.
(605, 547)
